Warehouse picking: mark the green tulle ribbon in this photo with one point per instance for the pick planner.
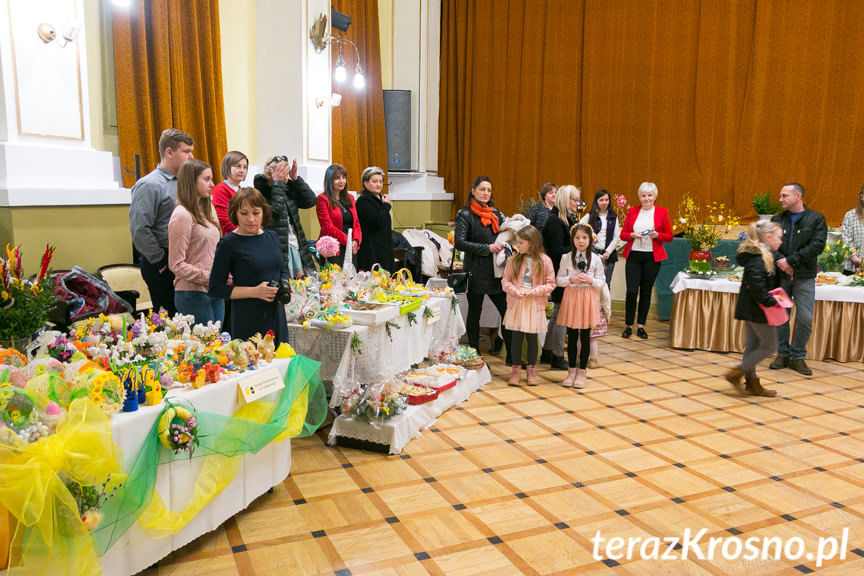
(218, 435)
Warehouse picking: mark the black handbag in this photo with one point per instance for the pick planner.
(459, 281)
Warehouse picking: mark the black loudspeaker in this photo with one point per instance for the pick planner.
(397, 121)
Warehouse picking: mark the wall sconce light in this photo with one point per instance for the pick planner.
(321, 39)
(47, 33)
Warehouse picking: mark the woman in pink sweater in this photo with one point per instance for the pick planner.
(192, 238)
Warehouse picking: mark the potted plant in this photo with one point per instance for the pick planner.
(702, 231)
(24, 303)
(765, 205)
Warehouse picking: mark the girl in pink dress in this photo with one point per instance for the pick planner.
(529, 278)
(580, 273)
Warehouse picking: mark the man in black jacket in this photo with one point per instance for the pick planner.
(804, 235)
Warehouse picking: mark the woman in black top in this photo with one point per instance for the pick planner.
(253, 258)
(755, 254)
(604, 222)
(556, 243)
(373, 211)
(477, 226)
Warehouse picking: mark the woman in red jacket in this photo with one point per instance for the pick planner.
(645, 229)
(336, 212)
(234, 167)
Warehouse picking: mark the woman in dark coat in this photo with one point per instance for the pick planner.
(755, 255)
(556, 243)
(477, 226)
(286, 193)
(373, 212)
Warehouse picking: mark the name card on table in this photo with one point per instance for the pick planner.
(260, 383)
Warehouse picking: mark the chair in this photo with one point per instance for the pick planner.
(127, 282)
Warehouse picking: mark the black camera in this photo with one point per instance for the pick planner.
(283, 292)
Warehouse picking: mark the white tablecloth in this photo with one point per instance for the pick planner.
(136, 550)
(826, 292)
(381, 354)
(396, 433)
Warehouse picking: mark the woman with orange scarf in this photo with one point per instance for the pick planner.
(477, 226)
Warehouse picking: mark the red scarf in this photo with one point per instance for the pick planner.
(486, 213)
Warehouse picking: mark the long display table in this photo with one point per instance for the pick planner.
(703, 317)
(393, 435)
(175, 481)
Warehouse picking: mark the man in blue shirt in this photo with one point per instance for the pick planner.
(153, 199)
(804, 235)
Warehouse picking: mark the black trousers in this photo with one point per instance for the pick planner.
(578, 337)
(472, 322)
(516, 344)
(161, 286)
(641, 272)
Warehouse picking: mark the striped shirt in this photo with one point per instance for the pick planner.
(853, 235)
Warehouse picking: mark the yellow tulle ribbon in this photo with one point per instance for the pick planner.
(33, 491)
(218, 471)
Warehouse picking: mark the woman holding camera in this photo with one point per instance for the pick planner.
(645, 230)
(251, 255)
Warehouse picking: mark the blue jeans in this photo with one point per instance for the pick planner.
(200, 305)
(803, 293)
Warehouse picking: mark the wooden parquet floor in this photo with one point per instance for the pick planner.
(518, 480)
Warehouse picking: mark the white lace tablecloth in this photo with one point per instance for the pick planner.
(826, 292)
(381, 354)
(396, 433)
(175, 481)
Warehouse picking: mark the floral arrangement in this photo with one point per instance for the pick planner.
(24, 304)
(703, 229)
(91, 498)
(451, 237)
(327, 246)
(527, 201)
(379, 401)
(834, 256)
(178, 429)
(764, 204)
(619, 203)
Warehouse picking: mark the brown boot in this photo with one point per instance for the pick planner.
(515, 375)
(736, 378)
(532, 375)
(754, 388)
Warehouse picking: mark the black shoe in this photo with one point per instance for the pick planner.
(779, 362)
(546, 356)
(641, 333)
(798, 365)
(558, 363)
(628, 331)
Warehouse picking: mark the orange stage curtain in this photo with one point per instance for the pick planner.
(168, 68)
(716, 98)
(359, 138)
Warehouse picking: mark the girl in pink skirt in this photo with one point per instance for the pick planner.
(529, 278)
(580, 273)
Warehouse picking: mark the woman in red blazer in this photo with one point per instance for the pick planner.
(337, 213)
(645, 229)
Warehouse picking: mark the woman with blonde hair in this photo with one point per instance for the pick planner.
(556, 242)
(755, 254)
(192, 237)
(373, 212)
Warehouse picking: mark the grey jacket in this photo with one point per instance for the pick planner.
(153, 200)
